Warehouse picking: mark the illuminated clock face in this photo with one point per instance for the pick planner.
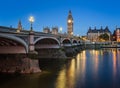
(69, 21)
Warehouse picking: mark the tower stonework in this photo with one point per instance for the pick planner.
(70, 24)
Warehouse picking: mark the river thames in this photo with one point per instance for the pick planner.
(90, 69)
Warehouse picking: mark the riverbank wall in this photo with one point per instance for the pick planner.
(14, 63)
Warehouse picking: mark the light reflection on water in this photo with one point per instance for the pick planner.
(66, 78)
(90, 69)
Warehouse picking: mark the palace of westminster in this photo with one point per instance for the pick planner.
(91, 35)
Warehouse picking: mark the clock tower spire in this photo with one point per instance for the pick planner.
(70, 24)
(19, 26)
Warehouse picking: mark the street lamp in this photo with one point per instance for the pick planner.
(72, 33)
(31, 19)
(60, 29)
(60, 35)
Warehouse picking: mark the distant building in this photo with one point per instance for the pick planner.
(46, 30)
(93, 34)
(54, 30)
(116, 35)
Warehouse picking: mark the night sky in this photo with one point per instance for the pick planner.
(53, 13)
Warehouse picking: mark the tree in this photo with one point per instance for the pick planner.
(104, 36)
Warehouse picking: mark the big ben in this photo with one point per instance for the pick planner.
(70, 24)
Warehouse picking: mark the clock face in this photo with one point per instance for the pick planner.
(69, 21)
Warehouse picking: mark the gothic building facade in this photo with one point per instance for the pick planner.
(93, 34)
(116, 35)
(53, 31)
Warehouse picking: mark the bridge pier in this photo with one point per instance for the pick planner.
(72, 50)
(18, 64)
(51, 53)
(31, 43)
(78, 48)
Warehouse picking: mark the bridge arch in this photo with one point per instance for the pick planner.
(16, 40)
(79, 42)
(66, 42)
(47, 42)
(74, 42)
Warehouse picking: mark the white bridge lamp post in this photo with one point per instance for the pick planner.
(31, 19)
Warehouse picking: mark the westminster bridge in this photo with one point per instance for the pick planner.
(18, 49)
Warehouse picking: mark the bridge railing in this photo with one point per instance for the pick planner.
(10, 30)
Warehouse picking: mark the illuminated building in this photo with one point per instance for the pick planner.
(116, 35)
(93, 34)
(70, 24)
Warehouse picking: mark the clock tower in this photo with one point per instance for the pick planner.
(70, 24)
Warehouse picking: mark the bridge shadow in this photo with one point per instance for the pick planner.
(51, 64)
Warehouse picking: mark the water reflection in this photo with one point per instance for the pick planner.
(95, 58)
(66, 78)
(116, 62)
(74, 70)
(114, 52)
(61, 79)
(90, 69)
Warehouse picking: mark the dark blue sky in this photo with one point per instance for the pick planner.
(54, 13)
